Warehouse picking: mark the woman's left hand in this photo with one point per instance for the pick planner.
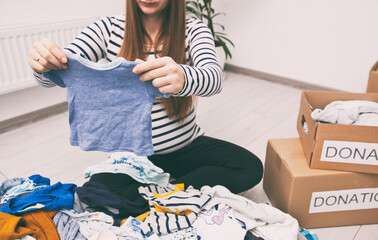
(164, 72)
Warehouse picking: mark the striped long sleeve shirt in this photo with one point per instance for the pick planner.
(203, 75)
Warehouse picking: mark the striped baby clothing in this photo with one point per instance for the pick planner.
(171, 207)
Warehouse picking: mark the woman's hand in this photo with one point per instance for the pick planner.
(164, 72)
(46, 55)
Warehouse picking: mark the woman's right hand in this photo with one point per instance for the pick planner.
(46, 55)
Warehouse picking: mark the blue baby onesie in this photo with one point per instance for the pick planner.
(109, 107)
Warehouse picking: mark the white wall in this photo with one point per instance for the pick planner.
(327, 43)
(37, 19)
(21, 12)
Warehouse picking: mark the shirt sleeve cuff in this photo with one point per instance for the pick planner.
(183, 93)
(42, 80)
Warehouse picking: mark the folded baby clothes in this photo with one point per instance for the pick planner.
(109, 107)
(37, 224)
(348, 112)
(137, 167)
(67, 227)
(189, 233)
(100, 226)
(267, 221)
(133, 227)
(219, 223)
(14, 187)
(97, 197)
(367, 119)
(88, 223)
(171, 207)
(53, 197)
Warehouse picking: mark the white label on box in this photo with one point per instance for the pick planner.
(342, 200)
(350, 152)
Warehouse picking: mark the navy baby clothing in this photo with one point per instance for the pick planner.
(109, 107)
(97, 197)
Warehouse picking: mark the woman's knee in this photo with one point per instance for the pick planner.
(252, 172)
(257, 169)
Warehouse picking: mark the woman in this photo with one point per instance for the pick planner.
(178, 55)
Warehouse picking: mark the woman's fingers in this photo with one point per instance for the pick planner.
(34, 55)
(166, 89)
(166, 74)
(46, 55)
(36, 66)
(150, 65)
(139, 60)
(55, 50)
(33, 60)
(161, 82)
(48, 65)
(167, 84)
(155, 73)
(39, 62)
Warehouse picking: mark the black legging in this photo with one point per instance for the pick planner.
(206, 161)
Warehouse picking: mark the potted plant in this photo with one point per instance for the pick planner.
(203, 10)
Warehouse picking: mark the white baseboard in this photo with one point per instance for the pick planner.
(275, 78)
(29, 105)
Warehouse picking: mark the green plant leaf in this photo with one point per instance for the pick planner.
(204, 11)
(219, 25)
(205, 16)
(194, 4)
(228, 40)
(226, 50)
(217, 14)
(201, 7)
(220, 33)
(192, 10)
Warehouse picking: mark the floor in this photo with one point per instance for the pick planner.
(247, 112)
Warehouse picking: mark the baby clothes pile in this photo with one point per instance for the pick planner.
(31, 208)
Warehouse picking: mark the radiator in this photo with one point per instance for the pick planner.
(16, 42)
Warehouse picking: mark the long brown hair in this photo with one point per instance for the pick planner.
(171, 40)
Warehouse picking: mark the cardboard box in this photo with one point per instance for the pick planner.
(372, 86)
(317, 198)
(337, 146)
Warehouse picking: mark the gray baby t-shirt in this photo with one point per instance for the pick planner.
(109, 107)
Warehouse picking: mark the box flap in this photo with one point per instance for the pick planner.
(372, 86)
(375, 67)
